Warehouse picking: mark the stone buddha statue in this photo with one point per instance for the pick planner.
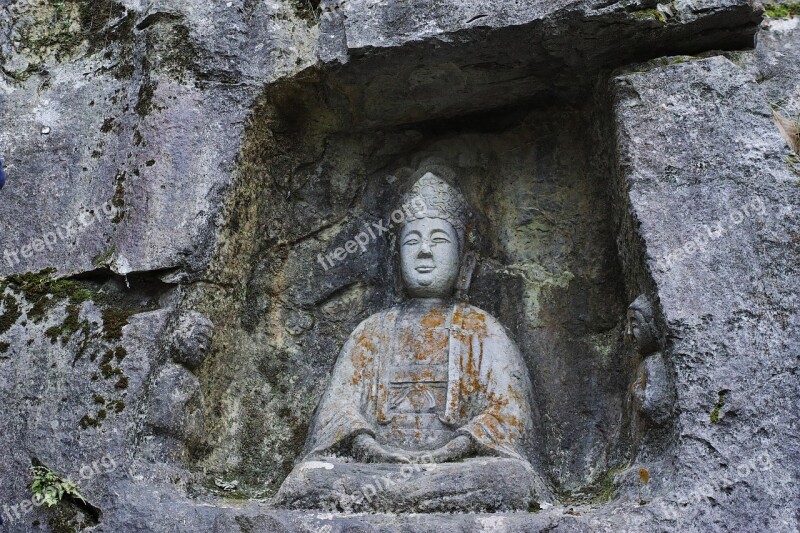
(429, 404)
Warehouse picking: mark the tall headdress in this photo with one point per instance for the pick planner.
(433, 197)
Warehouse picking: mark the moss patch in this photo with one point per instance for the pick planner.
(650, 14)
(11, 313)
(88, 422)
(45, 292)
(144, 102)
(71, 325)
(114, 320)
(104, 259)
(106, 367)
(600, 491)
(118, 203)
(715, 413)
(782, 11)
(57, 29)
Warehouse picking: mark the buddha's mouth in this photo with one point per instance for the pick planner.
(425, 269)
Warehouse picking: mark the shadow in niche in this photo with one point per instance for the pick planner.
(548, 270)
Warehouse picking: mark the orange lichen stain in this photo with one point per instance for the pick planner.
(433, 318)
(426, 343)
(471, 320)
(497, 402)
(453, 399)
(362, 365)
(365, 341)
(496, 428)
(515, 394)
(470, 378)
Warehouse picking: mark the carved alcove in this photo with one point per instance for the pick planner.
(328, 151)
(547, 270)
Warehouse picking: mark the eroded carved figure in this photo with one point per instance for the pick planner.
(651, 389)
(433, 381)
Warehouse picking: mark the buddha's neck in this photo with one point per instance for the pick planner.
(427, 303)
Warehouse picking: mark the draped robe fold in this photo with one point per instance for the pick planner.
(488, 386)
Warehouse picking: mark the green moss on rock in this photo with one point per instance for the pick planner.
(782, 11)
(104, 259)
(45, 292)
(59, 29)
(715, 413)
(308, 10)
(599, 492)
(11, 313)
(114, 320)
(88, 422)
(117, 406)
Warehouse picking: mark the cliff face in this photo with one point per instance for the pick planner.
(179, 171)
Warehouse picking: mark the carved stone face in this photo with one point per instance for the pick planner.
(640, 330)
(429, 258)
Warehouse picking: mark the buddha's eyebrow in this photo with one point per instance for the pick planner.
(412, 233)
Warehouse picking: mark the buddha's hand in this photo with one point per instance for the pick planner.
(367, 449)
(452, 451)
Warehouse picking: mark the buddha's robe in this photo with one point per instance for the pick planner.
(416, 377)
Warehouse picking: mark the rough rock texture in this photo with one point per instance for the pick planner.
(716, 204)
(145, 106)
(233, 142)
(427, 488)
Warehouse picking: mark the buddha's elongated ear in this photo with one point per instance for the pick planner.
(468, 263)
(395, 272)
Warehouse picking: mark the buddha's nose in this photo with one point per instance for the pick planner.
(425, 250)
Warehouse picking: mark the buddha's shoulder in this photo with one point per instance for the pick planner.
(465, 314)
(378, 320)
(475, 316)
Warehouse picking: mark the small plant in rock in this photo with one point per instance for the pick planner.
(50, 488)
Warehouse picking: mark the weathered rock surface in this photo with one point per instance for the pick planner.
(715, 201)
(233, 142)
(144, 106)
(337, 485)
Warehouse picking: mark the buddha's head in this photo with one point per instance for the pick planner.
(431, 240)
(641, 326)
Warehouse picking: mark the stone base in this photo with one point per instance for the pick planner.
(473, 485)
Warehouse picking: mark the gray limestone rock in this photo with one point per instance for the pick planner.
(170, 156)
(190, 339)
(175, 407)
(713, 196)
